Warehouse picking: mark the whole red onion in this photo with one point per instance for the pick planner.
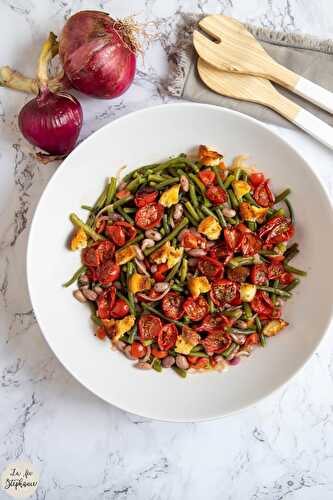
(98, 54)
(52, 121)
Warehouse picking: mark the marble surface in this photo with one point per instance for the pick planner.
(83, 448)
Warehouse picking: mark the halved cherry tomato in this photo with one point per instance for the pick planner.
(105, 302)
(220, 251)
(101, 333)
(266, 298)
(263, 195)
(145, 196)
(172, 305)
(275, 269)
(243, 228)
(149, 216)
(192, 360)
(250, 244)
(149, 326)
(252, 339)
(117, 234)
(191, 240)
(211, 268)
(238, 274)
(257, 178)
(276, 258)
(159, 275)
(207, 176)
(167, 337)
(122, 194)
(152, 294)
(233, 238)
(128, 228)
(138, 350)
(201, 363)
(108, 272)
(223, 292)
(120, 309)
(276, 230)
(105, 250)
(100, 225)
(158, 354)
(91, 257)
(216, 195)
(259, 305)
(237, 301)
(214, 323)
(217, 342)
(196, 309)
(259, 274)
(286, 278)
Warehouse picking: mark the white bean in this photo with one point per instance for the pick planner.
(138, 252)
(142, 366)
(153, 268)
(147, 243)
(161, 287)
(89, 294)
(197, 252)
(178, 211)
(184, 183)
(114, 217)
(168, 362)
(152, 234)
(127, 352)
(79, 296)
(182, 362)
(228, 212)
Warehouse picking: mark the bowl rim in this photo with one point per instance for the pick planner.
(59, 170)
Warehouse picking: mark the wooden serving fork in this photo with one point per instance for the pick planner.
(261, 91)
(238, 51)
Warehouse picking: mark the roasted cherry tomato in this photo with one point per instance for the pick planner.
(223, 292)
(207, 176)
(238, 274)
(122, 194)
(259, 305)
(214, 323)
(237, 301)
(149, 216)
(259, 274)
(243, 228)
(275, 269)
(217, 342)
(145, 196)
(252, 339)
(152, 294)
(196, 309)
(216, 195)
(138, 350)
(276, 230)
(220, 251)
(101, 333)
(108, 272)
(120, 309)
(250, 244)
(149, 326)
(117, 234)
(257, 178)
(200, 363)
(167, 337)
(211, 268)
(91, 257)
(158, 354)
(233, 238)
(105, 302)
(100, 225)
(190, 240)
(286, 278)
(263, 195)
(159, 275)
(105, 250)
(172, 305)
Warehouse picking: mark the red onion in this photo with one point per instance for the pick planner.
(51, 121)
(98, 54)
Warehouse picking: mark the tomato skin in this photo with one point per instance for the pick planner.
(138, 350)
(223, 291)
(159, 354)
(149, 326)
(196, 309)
(117, 234)
(167, 337)
(211, 268)
(105, 250)
(120, 309)
(258, 274)
(152, 294)
(252, 339)
(145, 196)
(108, 272)
(216, 195)
(100, 225)
(286, 278)
(159, 275)
(103, 307)
(220, 252)
(201, 363)
(172, 305)
(217, 342)
(191, 241)
(250, 244)
(275, 269)
(207, 176)
(122, 194)
(243, 228)
(264, 307)
(149, 216)
(100, 333)
(91, 257)
(257, 178)
(214, 323)
(233, 238)
(276, 230)
(263, 195)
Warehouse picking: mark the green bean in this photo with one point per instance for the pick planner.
(275, 285)
(182, 373)
(250, 200)
(129, 210)
(258, 324)
(198, 182)
(294, 270)
(156, 178)
(147, 342)
(220, 217)
(177, 288)
(173, 271)
(165, 224)
(183, 270)
(122, 201)
(240, 261)
(88, 230)
(233, 199)
(156, 365)
(193, 195)
(112, 188)
(219, 178)
(263, 340)
(229, 180)
(292, 248)
(231, 221)
(282, 195)
(291, 211)
(192, 210)
(275, 213)
(252, 225)
(241, 331)
(207, 211)
(174, 242)
(101, 199)
(211, 305)
(244, 176)
(75, 276)
(134, 184)
(199, 355)
(87, 207)
(126, 216)
(233, 313)
(162, 232)
(96, 320)
(190, 218)
(186, 319)
(132, 334)
(168, 237)
(123, 278)
(196, 348)
(247, 311)
(237, 173)
(130, 305)
(139, 237)
(268, 253)
(158, 313)
(166, 183)
(277, 291)
(292, 285)
(230, 350)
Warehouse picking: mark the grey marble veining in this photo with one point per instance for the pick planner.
(84, 448)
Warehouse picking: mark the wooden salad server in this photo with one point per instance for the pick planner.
(238, 51)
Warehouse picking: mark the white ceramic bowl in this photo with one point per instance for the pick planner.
(144, 137)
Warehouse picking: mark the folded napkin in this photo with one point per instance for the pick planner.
(304, 54)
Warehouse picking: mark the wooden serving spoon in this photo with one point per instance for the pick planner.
(238, 51)
(261, 91)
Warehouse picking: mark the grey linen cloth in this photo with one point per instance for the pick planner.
(305, 55)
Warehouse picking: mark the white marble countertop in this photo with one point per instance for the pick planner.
(84, 448)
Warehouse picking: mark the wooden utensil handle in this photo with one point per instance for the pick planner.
(305, 88)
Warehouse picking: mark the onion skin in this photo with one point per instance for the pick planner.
(95, 57)
(52, 122)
